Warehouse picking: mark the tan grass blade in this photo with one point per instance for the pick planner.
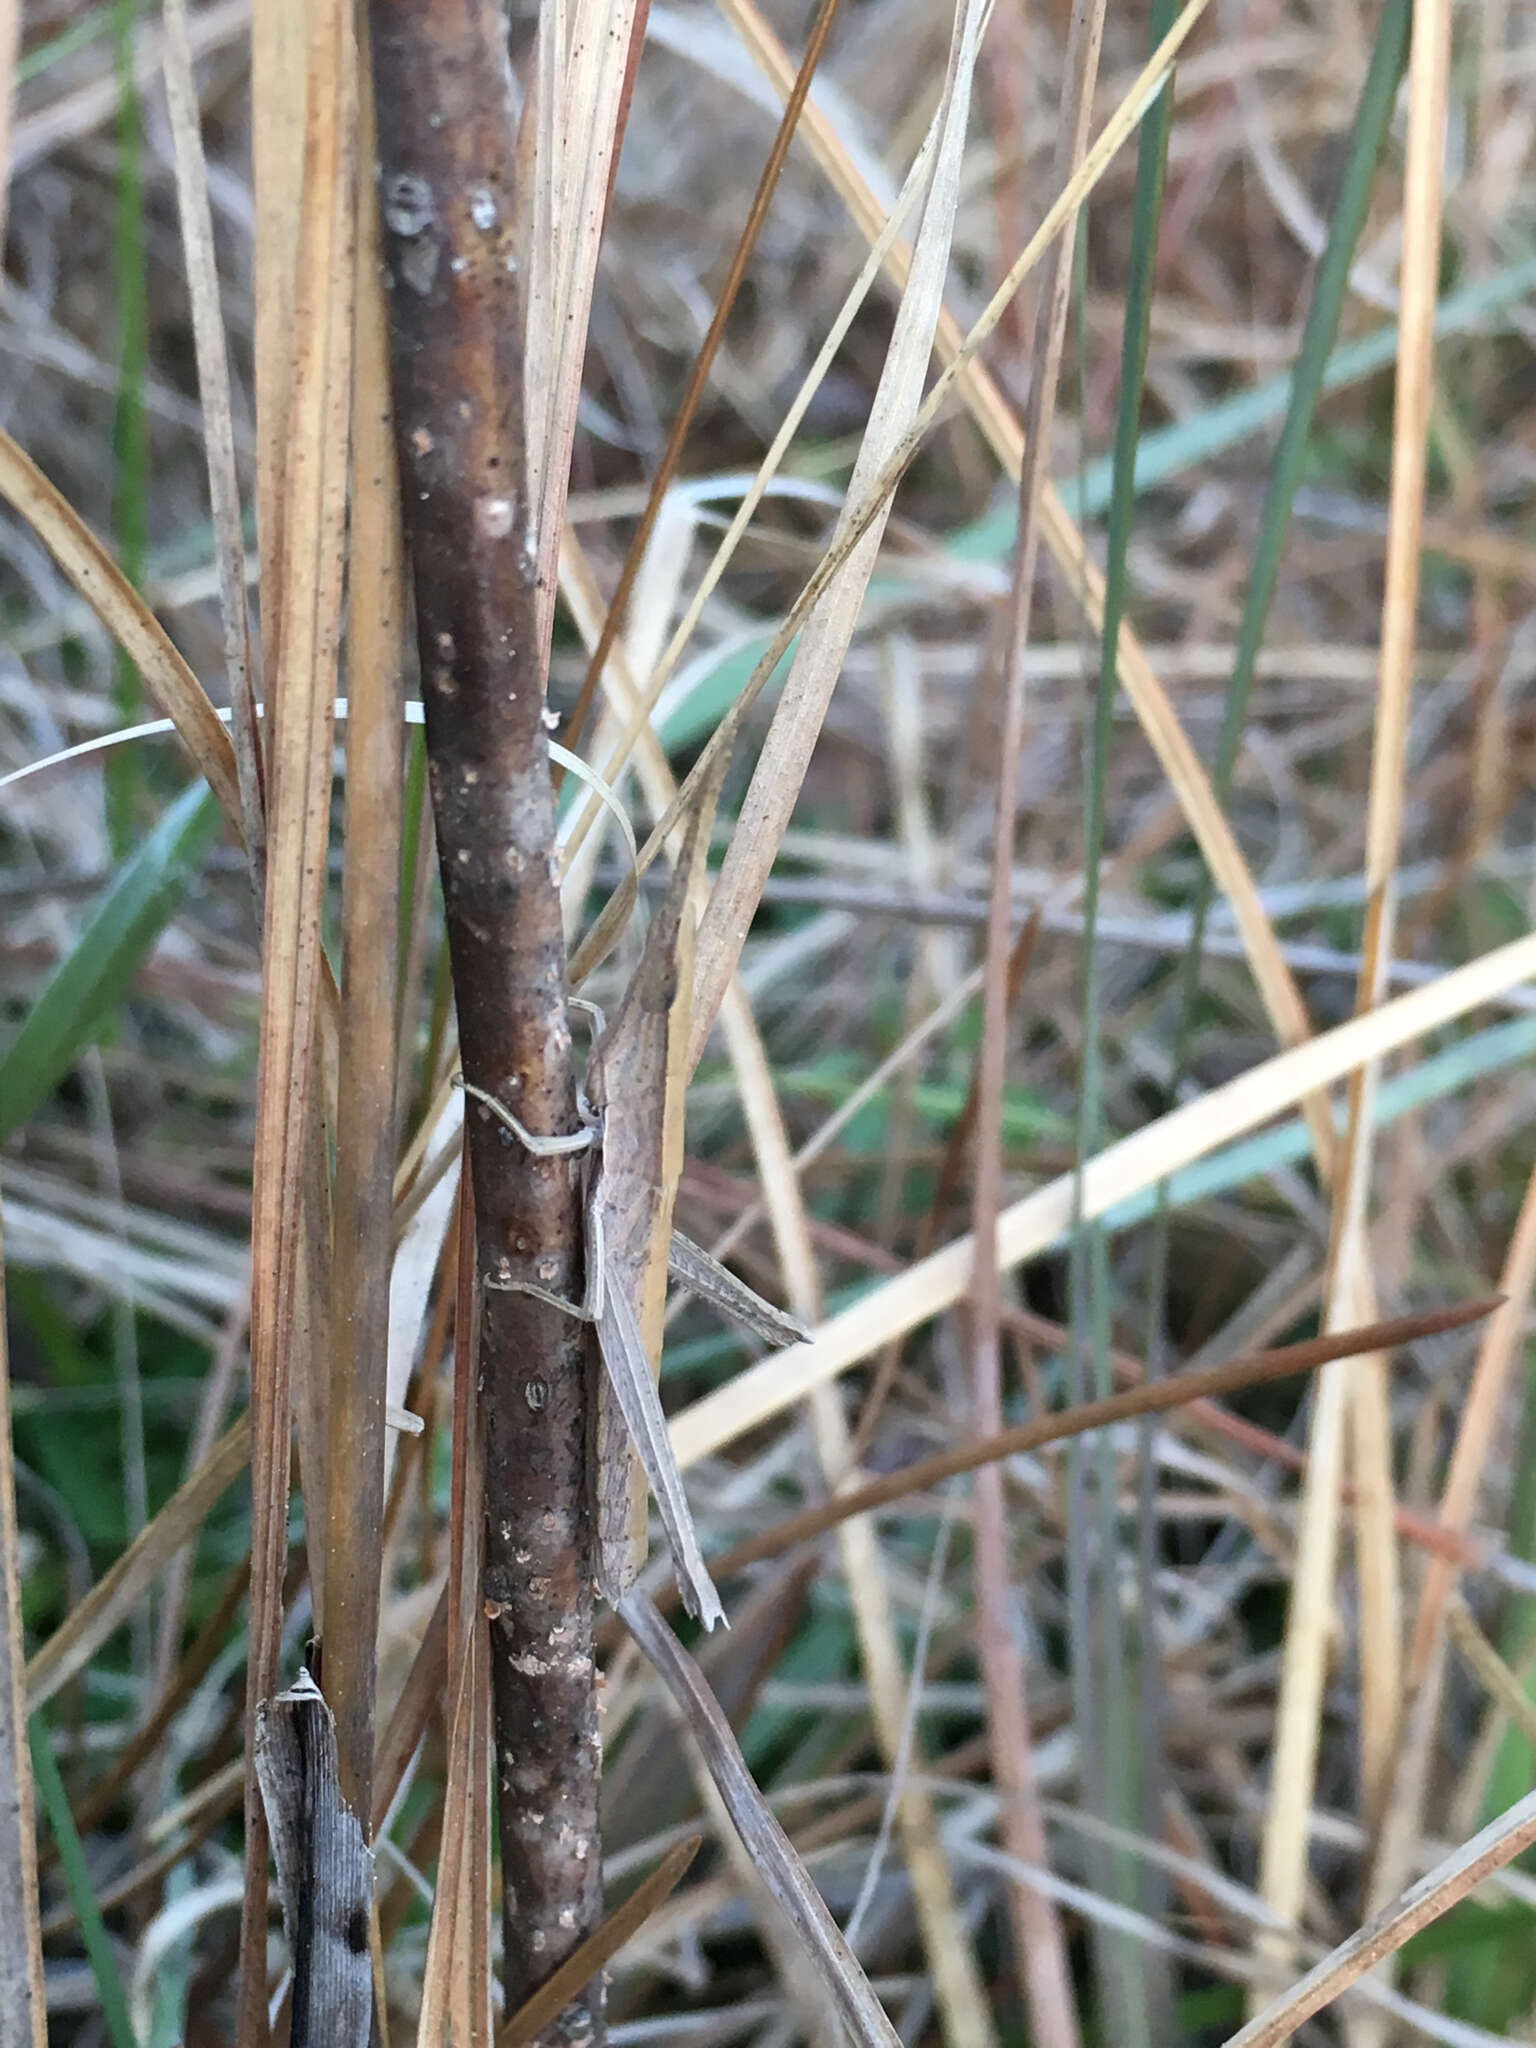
(167, 678)
(828, 626)
(1382, 1936)
(362, 1185)
(447, 1946)
(218, 420)
(598, 1950)
(279, 85)
(1480, 1410)
(447, 2000)
(1128, 1167)
(307, 606)
(120, 1590)
(1283, 1857)
(22, 2000)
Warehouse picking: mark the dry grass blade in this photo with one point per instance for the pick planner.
(1128, 1167)
(307, 604)
(419, 1696)
(119, 1591)
(23, 2005)
(362, 1187)
(1298, 1731)
(1475, 1432)
(599, 1949)
(180, 696)
(1040, 1953)
(218, 421)
(1433, 1896)
(1152, 1397)
(828, 625)
(579, 101)
(279, 74)
(770, 1847)
(448, 1939)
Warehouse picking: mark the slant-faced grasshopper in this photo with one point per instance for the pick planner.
(630, 1142)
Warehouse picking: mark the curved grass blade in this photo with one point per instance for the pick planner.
(753, 1819)
(95, 975)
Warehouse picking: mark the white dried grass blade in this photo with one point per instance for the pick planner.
(1433, 1896)
(417, 1256)
(584, 107)
(541, 339)
(824, 640)
(1123, 1169)
(1283, 1861)
(23, 2008)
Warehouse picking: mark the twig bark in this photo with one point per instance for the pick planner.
(448, 162)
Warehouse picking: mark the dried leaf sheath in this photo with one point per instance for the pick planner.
(324, 1870)
(448, 199)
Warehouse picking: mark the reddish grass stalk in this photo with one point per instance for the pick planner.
(1037, 1932)
(447, 165)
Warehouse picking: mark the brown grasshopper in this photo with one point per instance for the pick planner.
(630, 1141)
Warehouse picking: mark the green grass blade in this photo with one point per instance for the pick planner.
(77, 1877)
(1119, 1701)
(96, 973)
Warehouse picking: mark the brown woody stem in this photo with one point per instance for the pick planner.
(450, 204)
